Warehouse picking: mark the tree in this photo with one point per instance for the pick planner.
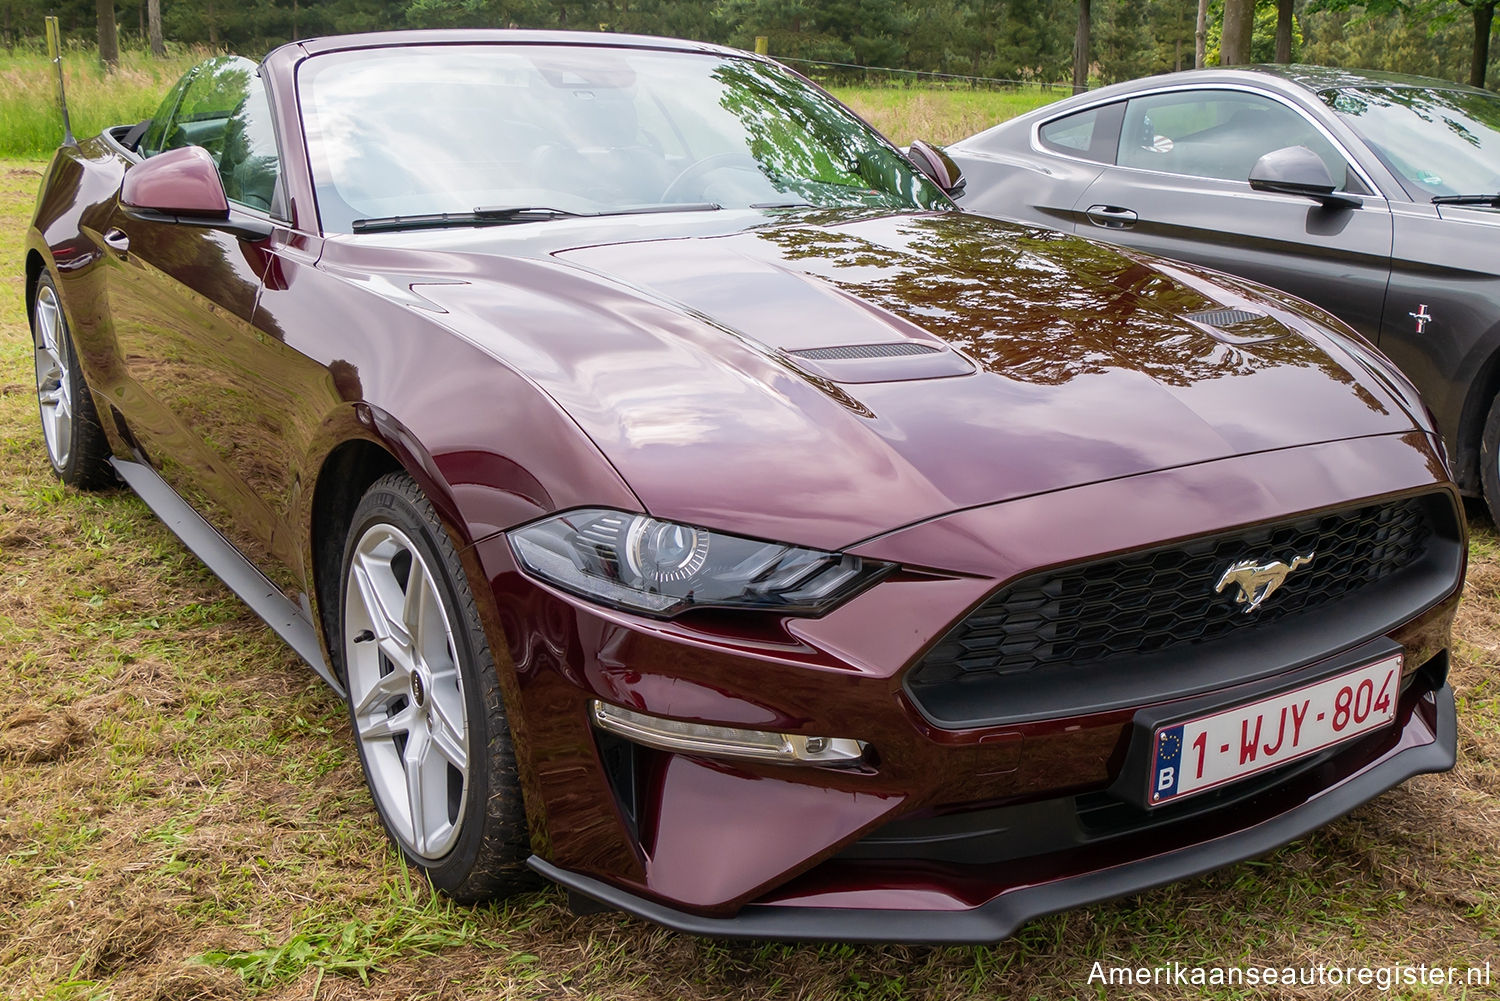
(1239, 27)
(1081, 49)
(1283, 31)
(1125, 45)
(1433, 13)
(1166, 30)
(1483, 12)
(109, 37)
(1200, 36)
(153, 27)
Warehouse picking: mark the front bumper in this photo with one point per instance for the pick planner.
(1425, 744)
(739, 848)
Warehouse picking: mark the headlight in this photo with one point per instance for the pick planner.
(662, 568)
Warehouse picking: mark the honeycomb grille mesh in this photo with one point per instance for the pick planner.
(1224, 317)
(849, 352)
(1162, 598)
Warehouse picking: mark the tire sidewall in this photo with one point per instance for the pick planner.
(1489, 461)
(384, 506)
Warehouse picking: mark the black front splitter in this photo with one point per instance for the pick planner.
(1000, 917)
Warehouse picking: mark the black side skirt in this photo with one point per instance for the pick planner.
(265, 599)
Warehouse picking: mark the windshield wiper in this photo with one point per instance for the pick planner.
(479, 217)
(782, 205)
(1493, 201)
(497, 215)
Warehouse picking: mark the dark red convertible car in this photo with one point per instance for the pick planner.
(698, 510)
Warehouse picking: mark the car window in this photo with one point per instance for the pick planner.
(583, 130)
(1216, 133)
(1088, 134)
(249, 165)
(154, 139)
(1438, 142)
(221, 105)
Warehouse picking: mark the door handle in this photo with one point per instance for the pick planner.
(1111, 216)
(116, 240)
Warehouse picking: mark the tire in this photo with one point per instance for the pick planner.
(76, 445)
(1489, 461)
(436, 750)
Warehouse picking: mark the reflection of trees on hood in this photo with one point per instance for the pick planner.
(1034, 305)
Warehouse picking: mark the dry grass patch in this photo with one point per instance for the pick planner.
(182, 815)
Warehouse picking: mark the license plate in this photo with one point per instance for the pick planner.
(1207, 752)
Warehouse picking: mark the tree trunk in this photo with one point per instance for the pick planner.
(153, 26)
(295, 34)
(10, 40)
(1283, 31)
(1200, 36)
(1239, 23)
(1081, 49)
(1484, 18)
(109, 38)
(213, 25)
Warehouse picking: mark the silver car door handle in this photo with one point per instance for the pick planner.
(1111, 216)
(117, 241)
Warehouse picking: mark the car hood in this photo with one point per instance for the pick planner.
(823, 378)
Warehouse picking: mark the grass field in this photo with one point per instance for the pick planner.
(30, 124)
(182, 814)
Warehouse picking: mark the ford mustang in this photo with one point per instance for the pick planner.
(1374, 195)
(697, 509)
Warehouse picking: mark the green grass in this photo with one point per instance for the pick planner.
(30, 124)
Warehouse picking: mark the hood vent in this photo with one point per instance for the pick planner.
(1223, 317)
(1237, 326)
(850, 352)
(888, 361)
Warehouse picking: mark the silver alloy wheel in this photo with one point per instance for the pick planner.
(407, 691)
(52, 391)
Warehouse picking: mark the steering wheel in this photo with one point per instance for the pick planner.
(707, 165)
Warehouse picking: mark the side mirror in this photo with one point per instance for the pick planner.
(182, 187)
(1297, 170)
(938, 166)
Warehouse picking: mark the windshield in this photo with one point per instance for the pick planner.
(582, 129)
(1438, 142)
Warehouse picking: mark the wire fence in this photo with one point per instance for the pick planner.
(844, 73)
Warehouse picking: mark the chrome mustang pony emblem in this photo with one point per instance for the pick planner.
(1257, 580)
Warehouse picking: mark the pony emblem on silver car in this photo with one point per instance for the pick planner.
(1258, 580)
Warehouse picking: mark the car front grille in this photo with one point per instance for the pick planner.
(1145, 607)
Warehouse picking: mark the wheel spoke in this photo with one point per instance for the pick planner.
(449, 738)
(370, 574)
(385, 690)
(63, 435)
(430, 628)
(46, 321)
(383, 727)
(427, 791)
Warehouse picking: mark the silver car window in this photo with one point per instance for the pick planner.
(1216, 133)
(1438, 142)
